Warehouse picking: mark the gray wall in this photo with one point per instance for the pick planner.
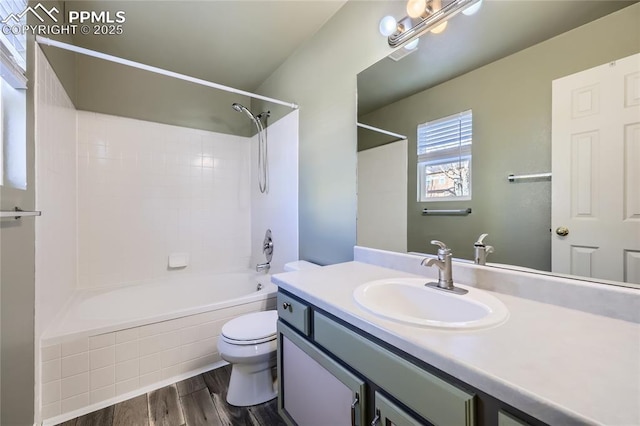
(321, 78)
(17, 289)
(511, 103)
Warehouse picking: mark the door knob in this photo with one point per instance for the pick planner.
(562, 231)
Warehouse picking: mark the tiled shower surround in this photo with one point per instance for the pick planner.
(91, 372)
(146, 190)
(120, 195)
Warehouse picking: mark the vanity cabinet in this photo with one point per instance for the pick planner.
(313, 388)
(331, 373)
(327, 374)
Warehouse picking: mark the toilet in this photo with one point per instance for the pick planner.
(249, 344)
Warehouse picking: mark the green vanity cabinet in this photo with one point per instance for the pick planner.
(438, 401)
(294, 312)
(387, 413)
(313, 389)
(331, 373)
(506, 419)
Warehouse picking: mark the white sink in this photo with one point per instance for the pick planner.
(407, 300)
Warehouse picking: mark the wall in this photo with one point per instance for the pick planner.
(321, 78)
(382, 197)
(146, 190)
(278, 209)
(17, 289)
(511, 103)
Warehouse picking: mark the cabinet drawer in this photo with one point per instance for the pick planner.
(436, 400)
(294, 313)
(506, 419)
(386, 412)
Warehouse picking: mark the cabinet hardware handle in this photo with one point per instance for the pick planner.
(286, 305)
(353, 409)
(376, 419)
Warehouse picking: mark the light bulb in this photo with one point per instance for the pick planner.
(472, 9)
(388, 25)
(412, 44)
(416, 8)
(436, 5)
(440, 28)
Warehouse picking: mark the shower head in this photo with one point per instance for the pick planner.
(256, 120)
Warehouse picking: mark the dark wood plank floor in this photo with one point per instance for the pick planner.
(198, 401)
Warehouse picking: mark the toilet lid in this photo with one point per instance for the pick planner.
(254, 326)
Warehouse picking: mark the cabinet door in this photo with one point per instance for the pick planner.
(313, 389)
(389, 414)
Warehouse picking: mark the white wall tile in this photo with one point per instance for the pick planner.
(102, 357)
(75, 402)
(127, 335)
(74, 385)
(50, 352)
(150, 378)
(127, 386)
(101, 340)
(74, 347)
(149, 364)
(50, 410)
(51, 392)
(102, 377)
(124, 165)
(74, 364)
(51, 370)
(150, 345)
(126, 351)
(171, 357)
(102, 394)
(127, 370)
(277, 210)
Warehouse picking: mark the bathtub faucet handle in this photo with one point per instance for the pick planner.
(263, 267)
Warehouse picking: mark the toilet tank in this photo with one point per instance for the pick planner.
(299, 265)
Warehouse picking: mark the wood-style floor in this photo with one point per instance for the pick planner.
(200, 400)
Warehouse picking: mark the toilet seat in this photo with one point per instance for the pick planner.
(251, 329)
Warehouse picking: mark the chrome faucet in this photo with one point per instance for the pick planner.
(445, 270)
(267, 249)
(263, 267)
(482, 250)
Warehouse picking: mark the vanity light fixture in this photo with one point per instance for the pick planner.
(423, 16)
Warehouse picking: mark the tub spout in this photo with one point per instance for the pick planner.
(263, 267)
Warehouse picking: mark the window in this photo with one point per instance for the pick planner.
(444, 158)
(13, 106)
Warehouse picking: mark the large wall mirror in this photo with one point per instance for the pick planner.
(500, 64)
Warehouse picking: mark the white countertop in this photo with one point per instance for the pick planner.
(560, 365)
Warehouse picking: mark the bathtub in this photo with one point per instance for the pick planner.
(109, 345)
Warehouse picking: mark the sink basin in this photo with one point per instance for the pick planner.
(408, 301)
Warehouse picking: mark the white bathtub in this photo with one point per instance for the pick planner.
(96, 311)
(112, 344)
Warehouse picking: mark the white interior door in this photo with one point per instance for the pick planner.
(596, 172)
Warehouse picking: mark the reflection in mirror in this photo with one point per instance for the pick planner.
(500, 64)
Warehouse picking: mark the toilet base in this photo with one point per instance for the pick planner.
(251, 384)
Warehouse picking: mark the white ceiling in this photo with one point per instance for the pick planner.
(237, 43)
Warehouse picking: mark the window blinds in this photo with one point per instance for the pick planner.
(446, 139)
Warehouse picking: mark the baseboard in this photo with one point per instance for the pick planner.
(111, 401)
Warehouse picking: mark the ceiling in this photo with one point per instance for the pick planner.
(500, 28)
(237, 43)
